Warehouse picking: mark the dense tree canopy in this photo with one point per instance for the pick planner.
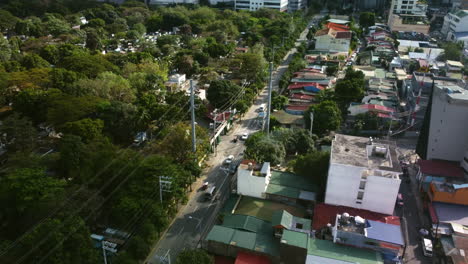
(327, 117)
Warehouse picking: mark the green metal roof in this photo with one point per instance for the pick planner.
(283, 190)
(292, 180)
(247, 223)
(282, 218)
(328, 249)
(297, 239)
(461, 13)
(221, 234)
(265, 243)
(306, 223)
(243, 239)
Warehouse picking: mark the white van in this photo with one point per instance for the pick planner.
(427, 247)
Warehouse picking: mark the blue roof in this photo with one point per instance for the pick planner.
(461, 34)
(384, 232)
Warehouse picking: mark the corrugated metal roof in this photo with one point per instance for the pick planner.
(283, 191)
(293, 238)
(292, 180)
(264, 243)
(247, 223)
(282, 218)
(384, 232)
(220, 234)
(329, 250)
(246, 258)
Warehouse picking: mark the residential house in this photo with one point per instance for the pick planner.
(334, 37)
(283, 220)
(253, 178)
(363, 173)
(448, 193)
(177, 82)
(362, 233)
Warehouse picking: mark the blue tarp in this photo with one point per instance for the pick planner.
(312, 89)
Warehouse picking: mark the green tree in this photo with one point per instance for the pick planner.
(72, 156)
(331, 70)
(20, 133)
(261, 148)
(194, 256)
(452, 51)
(120, 120)
(66, 108)
(222, 92)
(250, 66)
(278, 101)
(7, 20)
(366, 19)
(87, 129)
(314, 165)
(327, 117)
(34, 61)
(109, 85)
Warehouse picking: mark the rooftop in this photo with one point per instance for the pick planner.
(290, 222)
(326, 214)
(297, 239)
(344, 254)
(373, 154)
(451, 213)
(264, 209)
(285, 118)
(384, 232)
(258, 169)
(454, 93)
(247, 223)
(263, 243)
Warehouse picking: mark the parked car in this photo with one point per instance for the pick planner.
(210, 193)
(427, 247)
(204, 186)
(244, 136)
(229, 160)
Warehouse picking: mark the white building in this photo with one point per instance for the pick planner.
(363, 174)
(448, 126)
(455, 27)
(331, 40)
(253, 179)
(409, 7)
(253, 5)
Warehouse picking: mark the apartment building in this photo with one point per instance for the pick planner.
(253, 5)
(363, 174)
(455, 27)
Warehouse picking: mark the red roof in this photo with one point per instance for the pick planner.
(384, 115)
(219, 117)
(297, 107)
(301, 96)
(304, 84)
(343, 35)
(337, 27)
(325, 213)
(441, 168)
(246, 162)
(377, 107)
(247, 258)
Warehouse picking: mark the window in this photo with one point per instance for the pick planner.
(362, 185)
(358, 202)
(403, 7)
(299, 226)
(360, 195)
(404, 2)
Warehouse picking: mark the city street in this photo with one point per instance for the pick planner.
(194, 220)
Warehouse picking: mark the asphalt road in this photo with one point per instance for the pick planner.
(194, 220)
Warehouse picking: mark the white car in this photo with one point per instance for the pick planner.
(427, 247)
(244, 136)
(229, 159)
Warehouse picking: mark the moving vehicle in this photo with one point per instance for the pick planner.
(229, 159)
(244, 136)
(204, 186)
(261, 108)
(427, 247)
(210, 193)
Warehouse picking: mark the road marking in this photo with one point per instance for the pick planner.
(195, 209)
(180, 232)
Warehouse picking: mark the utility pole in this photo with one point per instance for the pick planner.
(192, 102)
(215, 113)
(104, 252)
(311, 122)
(164, 185)
(270, 87)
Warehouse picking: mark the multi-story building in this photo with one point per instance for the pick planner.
(295, 5)
(253, 5)
(363, 173)
(455, 27)
(369, 4)
(409, 7)
(446, 134)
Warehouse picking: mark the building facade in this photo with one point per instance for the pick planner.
(253, 5)
(253, 179)
(294, 5)
(409, 7)
(448, 125)
(455, 27)
(363, 174)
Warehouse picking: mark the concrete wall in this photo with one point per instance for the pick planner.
(380, 194)
(448, 132)
(343, 187)
(249, 185)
